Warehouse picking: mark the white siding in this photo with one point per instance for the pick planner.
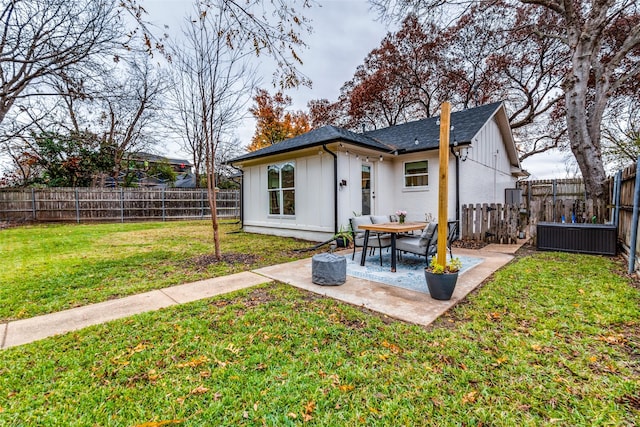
(314, 218)
(487, 171)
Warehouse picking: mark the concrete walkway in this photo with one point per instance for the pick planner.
(399, 303)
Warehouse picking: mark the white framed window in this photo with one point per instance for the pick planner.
(281, 188)
(416, 174)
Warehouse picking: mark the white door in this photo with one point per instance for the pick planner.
(368, 193)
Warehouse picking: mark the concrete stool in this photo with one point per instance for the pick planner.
(328, 269)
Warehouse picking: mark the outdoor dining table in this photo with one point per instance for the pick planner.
(392, 228)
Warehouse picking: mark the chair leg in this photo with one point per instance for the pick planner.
(353, 256)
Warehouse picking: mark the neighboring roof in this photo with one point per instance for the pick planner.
(466, 124)
(141, 155)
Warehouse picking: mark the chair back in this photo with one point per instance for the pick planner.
(380, 219)
(452, 235)
(429, 235)
(356, 221)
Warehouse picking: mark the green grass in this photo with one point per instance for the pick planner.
(552, 339)
(49, 268)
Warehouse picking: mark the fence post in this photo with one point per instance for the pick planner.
(121, 204)
(163, 210)
(33, 203)
(77, 207)
(201, 203)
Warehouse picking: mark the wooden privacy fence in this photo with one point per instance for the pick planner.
(114, 204)
(492, 223)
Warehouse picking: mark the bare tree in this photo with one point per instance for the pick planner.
(215, 79)
(213, 84)
(130, 107)
(41, 38)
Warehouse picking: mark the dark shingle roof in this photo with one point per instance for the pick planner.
(402, 137)
(466, 125)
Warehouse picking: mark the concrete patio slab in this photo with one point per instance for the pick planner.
(399, 303)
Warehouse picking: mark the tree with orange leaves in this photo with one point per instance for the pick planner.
(274, 123)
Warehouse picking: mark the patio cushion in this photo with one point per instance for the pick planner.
(356, 221)
(411, 244)
(385, 240)
(380, 219)
(429, 234)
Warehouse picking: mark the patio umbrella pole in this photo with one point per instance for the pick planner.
(443, 188)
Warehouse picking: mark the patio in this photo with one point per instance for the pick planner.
(403, 303)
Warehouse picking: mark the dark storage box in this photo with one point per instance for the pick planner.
(598, 239)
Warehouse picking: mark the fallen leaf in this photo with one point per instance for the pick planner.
(137, 349)
(194, 362)
(159, 423)
(470, 397)
(199, 390)
(292, 415)
(581, 291)
(309, 407)
(394, 348)
(346, 387)
(501, 360)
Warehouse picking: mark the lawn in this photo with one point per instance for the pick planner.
(48, 268)
(551, 339)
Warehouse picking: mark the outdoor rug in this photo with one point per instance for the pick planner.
(409, 272)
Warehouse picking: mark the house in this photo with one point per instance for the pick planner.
(145, 170)
(309, 186)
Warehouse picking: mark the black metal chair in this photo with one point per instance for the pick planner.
(376, 240)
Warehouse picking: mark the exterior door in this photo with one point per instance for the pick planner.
(367, 188)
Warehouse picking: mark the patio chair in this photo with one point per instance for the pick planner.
(376, 240)
(452, 234)
(424, 245)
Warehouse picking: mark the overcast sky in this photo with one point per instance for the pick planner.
(345, 31)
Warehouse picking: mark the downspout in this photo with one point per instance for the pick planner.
(335, 188)
(634, 221)
(241, 194)
(457, 187)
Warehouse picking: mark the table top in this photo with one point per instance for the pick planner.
(394, 227)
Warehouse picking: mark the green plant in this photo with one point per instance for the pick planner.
(453, 266)
(344, 233)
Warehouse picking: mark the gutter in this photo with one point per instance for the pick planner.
(241, 193)
(335, 188)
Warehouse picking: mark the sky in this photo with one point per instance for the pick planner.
(345, 31)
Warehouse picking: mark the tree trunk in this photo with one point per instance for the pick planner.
(584, 137)
(211, 192)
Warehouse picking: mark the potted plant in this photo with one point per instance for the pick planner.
(343, 237)
(401, 216)
(442, 279)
